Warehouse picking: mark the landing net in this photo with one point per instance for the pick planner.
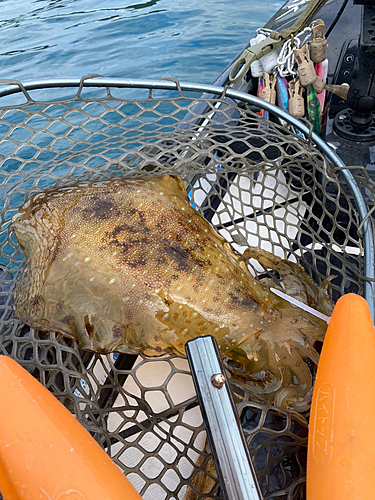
(255, 180)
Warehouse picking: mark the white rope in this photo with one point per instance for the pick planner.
(285, 61)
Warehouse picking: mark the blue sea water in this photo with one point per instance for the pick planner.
(192, 40)
(47, 39)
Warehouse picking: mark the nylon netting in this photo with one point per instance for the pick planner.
(258, 183)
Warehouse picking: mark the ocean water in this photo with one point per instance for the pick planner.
(192, 40)
(47, 39)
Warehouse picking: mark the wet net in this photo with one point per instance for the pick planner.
(256, 181)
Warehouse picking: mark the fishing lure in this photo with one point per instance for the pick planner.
(282, 93)
(313, 109)
(260, 88)
(322, 96)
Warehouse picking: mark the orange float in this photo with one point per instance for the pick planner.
(341, 449)
(45, 453)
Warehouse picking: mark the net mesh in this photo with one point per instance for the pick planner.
(257, 182)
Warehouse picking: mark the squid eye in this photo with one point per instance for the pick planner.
(234, 365)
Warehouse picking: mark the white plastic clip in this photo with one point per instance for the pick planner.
(269, 61)
(256, 67)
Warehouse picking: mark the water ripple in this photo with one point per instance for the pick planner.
(192, 40)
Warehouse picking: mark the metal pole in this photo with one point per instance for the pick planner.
(228, 446)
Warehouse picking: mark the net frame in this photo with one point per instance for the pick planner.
(91, 385)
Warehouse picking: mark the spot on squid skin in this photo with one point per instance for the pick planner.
(141, 301)
(165, 316)
(87, 259)
(92, 279)
(112, 281)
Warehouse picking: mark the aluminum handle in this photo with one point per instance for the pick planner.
(229, 449)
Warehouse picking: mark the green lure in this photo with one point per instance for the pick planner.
(313, 109)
